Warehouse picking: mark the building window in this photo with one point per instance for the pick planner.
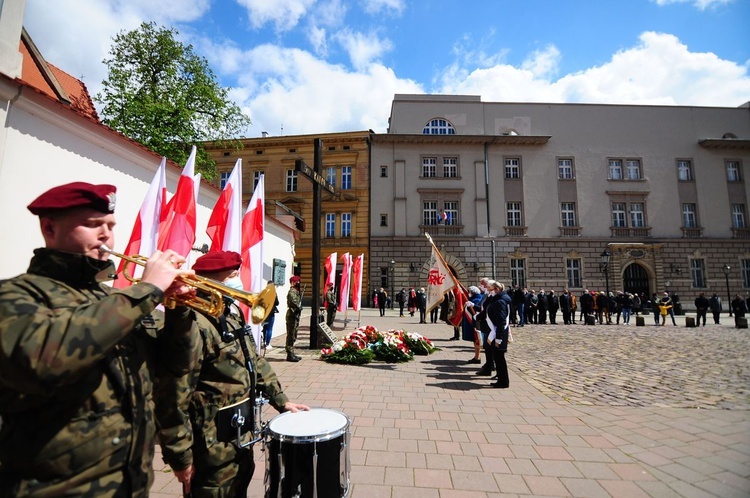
(291, 180)
(330, 225)
(565, 169)
(615, 169)
(450, 167)
(429, 213)
(256, 178)
(637, 216)
(331, 175)
(745, 269)
(733, 171)
(383, 220)
(688, 216)
(429, 167)
(738, 216)
(684, 171)
(438, 126)
(384, 172)
(633, 168)
(346, 177)
(514, 214)
(450, 212)
(512, 168)
(346, 224)
(618, 215)
(698, 273)
(518, 272)
(568, 214)
(573, 269)
(225, 178)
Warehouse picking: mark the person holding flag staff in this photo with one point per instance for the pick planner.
(195, 409)
(76, 414)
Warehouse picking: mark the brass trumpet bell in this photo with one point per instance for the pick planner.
(209, 298)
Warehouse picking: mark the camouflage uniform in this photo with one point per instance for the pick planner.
(294, 310)
(187, 408)
(330, 307)
(76, 410)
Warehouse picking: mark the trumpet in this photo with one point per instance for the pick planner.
(210, 296)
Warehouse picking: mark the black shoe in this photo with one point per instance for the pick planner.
(453, 339)
(484, 371)
(293, 358)
(474, 361)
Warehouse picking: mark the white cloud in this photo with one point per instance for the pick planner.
(544, 62)
(284, 14)
(362, 48)
(699, 4)
(292, 89)
(79, 43)
(659, 70)
(383, 6)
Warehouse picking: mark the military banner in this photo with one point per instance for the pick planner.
(439, 280)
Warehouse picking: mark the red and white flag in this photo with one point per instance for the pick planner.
(145, 235)
(225, 224)
(330, 265)
(345, 274)
(357, 283)
(439, 280)
(459, 294)
(253, 226)
(177, 231)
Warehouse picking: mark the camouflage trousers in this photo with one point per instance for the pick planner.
(228, 480)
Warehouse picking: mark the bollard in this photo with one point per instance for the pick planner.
(689, 321)
(741, 322)
(639, 321)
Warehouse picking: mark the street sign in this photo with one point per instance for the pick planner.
(300, 166)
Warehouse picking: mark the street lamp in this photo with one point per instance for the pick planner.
(604, 268)
(726, 269)
(392, 269)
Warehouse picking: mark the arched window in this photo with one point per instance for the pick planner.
(438, 126)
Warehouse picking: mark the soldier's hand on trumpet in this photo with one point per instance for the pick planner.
(163, 269)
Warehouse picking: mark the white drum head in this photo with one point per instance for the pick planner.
(305, 424)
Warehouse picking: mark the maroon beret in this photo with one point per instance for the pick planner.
(75, 195)
(294, 279)
(217, 261)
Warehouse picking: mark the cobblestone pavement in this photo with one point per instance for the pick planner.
(703, 367)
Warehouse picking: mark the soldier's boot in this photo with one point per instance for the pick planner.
(290, 356)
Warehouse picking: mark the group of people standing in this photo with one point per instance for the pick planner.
(91, 376)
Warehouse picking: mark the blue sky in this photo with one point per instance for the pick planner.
(309, 66)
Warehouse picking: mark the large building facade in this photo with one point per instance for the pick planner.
(536, 194)
(345, 215)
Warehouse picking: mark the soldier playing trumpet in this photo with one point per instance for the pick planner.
(76, 415)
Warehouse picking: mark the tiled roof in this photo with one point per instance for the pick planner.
(53, 81)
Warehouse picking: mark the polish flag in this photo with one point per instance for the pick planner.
(251, 271)
(145, 234)
(344, 290)
(330, 265)
(225, 224)
(357, 283)
(177, 231)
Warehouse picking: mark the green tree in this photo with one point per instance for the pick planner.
(160, 93)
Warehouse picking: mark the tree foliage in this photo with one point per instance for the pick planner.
(160, 93)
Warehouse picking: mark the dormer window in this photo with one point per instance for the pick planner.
(438, 126)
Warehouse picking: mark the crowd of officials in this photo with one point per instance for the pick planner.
(91, 376)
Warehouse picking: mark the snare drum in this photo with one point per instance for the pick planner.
(308, 454)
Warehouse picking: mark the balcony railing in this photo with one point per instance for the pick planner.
(692, 232)
(570, 231)
(741, 233)
(442, 229)
(630, 231)
(515, 231)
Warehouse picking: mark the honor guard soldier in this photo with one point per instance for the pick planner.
(76, 414)
(198, 413)
(293, 312)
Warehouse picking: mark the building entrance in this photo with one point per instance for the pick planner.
(635, 280)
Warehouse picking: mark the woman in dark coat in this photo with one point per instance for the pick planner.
(498, 313)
